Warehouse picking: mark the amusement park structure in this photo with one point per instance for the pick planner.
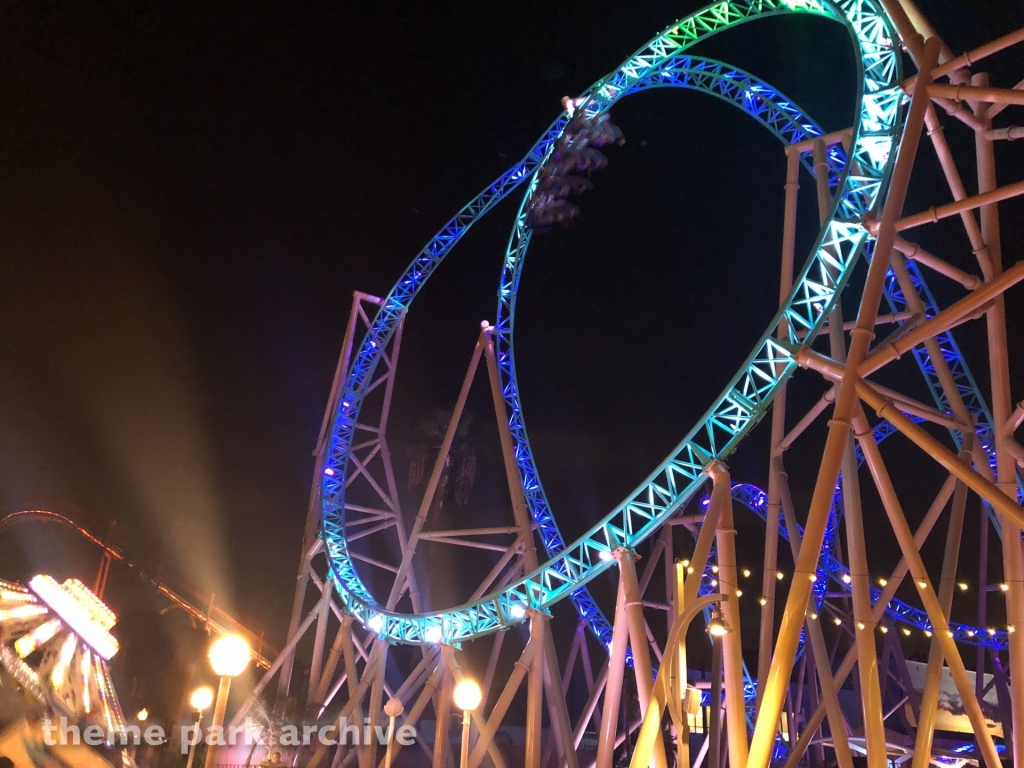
(169, 587)
(373, 645)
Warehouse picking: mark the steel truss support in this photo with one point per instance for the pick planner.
(925, 591)
(892, 585)
(366, 689)
(829, 685)
(930, 696)
(732, 644)
(1006, 473)
(359, 317)
(814, 532)
(518, 584)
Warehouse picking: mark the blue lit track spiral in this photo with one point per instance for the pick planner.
(859, 183)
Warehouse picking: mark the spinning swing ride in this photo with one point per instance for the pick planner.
(861, 176)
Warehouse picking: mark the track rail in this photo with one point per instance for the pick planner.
(262, 657)
(843, 239)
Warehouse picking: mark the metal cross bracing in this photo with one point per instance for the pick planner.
(357, 656)
(763, 106)
(735, 86)
(854, 219)
(745, 401)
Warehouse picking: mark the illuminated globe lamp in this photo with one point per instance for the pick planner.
(393, 709)
(200, 701)
(467, 697)
(229, 656)
(55, 641)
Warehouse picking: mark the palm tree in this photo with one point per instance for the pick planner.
(270, 716)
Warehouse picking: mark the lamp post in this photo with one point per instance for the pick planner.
(392, 709)
(467, 697)
(229, 656)
(201, 700)
(673, 668)
(718, 628)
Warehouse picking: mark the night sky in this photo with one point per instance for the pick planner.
(189, 194)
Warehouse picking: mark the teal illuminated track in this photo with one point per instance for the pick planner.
(859, 189)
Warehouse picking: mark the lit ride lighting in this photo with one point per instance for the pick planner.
(55, 642)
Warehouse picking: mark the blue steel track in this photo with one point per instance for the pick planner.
(858, 185)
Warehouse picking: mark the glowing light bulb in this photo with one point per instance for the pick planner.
(714, 569)
(376, 622)
(780, 575)
(467, 694)
(837, 621)
(201, 698)
(686, 563)
(927, 633)
(433, 635)
(883, 629)
(963, 586)
(814, 616)
(923, 584)
(230, 655)
(846, 578)
(882, 582)
(739, 593)
(814, 577)
(906, 631)
(763, 601)
(1004, 587)
(77, 606)
(718, 627)
(746, 573)
(860, 625)
(604, 555)
(990, 631)
(517, 610)
(714, 582)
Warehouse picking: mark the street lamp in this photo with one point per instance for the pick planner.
(718, 626)
(674, 668)
(201, 700)
(392, 709)
(229, 656)
(467, 697)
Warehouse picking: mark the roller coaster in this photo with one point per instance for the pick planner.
(173, 589)
(790, 709)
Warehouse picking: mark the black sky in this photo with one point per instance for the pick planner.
(189, 194)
